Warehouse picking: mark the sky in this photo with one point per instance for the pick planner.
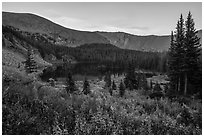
(149, 18)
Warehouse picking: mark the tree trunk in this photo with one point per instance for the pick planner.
(179, 84)
(186, 84)
(176, 87)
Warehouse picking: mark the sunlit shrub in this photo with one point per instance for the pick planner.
(52, 111)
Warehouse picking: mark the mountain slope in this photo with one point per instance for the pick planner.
(73, 38)
(134, 42)
(14, 52)
(36, 24)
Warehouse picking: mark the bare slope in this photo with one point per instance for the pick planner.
(134, 42)
(14, 54)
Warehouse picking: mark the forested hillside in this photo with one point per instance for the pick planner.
(103, 53)
(36, 24)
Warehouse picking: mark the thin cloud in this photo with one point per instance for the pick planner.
(139, 28)
(80, 24)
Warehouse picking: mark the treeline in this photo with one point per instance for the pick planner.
(100, 53)
(107, 53)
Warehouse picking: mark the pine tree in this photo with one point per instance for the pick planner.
(107, 79)
(110, 91)
(184, 65)
(172, 63)
(122, 89)
(145, 85)
(166, 88)
(176, 54)
(86, 87)
(114, 87)
(151, 84)
(131, 81)
(70, 84)
(180, 52)
(30, 63)
(192, 47)
(142, 81)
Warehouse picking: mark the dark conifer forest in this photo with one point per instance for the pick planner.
(96, 52)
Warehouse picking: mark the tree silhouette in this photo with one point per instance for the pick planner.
(176, 55)
(184, 65)
(70, 84)
(192, 48)
(142, 81)
(114, 87)
(131, 81)
(107, 79)
(110, 91)
(122, 89)
(86, 87)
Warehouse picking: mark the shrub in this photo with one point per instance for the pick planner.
(52, 111)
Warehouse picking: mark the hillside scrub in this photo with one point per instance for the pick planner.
(49, 110)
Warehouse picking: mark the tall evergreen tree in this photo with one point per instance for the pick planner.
(151, 84)
(121, 89)
(110, 90)
(192, 53)
(176, 54)
(180, 48)
(114, 87)
(86, 87)
(70, 84)
(107, 79)
(142, 81)
(172, 63)
(30, 63)
(184, 54)
(131, 81)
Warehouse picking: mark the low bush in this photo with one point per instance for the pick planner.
(53, 111)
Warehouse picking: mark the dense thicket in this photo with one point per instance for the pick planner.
(101, 53)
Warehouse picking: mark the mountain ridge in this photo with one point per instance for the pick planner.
(73, 38)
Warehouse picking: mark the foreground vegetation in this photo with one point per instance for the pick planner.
(48, 110)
